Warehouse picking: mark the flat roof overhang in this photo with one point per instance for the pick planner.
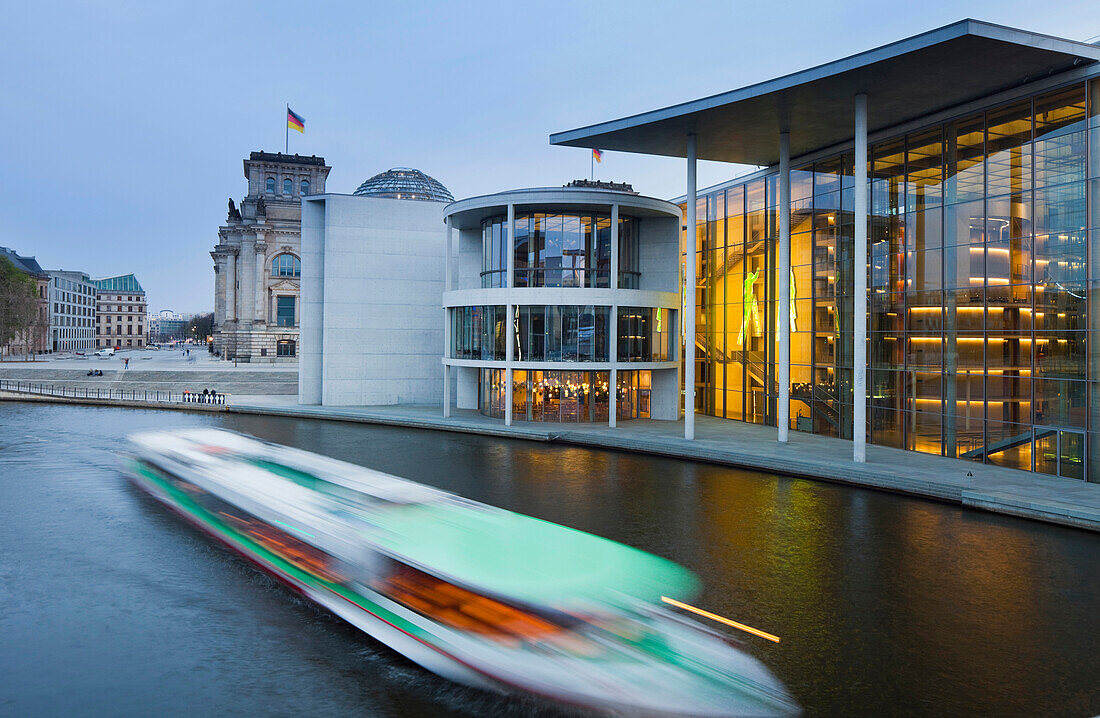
(903, 81)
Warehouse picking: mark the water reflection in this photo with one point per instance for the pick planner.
(886, 605)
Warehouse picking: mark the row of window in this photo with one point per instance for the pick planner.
(979, 265)
(561, 333)
(565, 396)
(288, 186)
(559, 250)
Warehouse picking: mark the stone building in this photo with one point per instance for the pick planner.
(36, 338)
(257, 261)
(72, 311)
(120, 312)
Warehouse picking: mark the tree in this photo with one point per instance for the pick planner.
(18, 302)
(201, 326)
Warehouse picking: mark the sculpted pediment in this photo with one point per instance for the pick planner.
(285, 285)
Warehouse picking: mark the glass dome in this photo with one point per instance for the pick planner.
(405, 183)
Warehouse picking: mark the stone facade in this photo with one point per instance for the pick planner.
(36, 338)
(120, 313)
(256, 299)
(72, 311)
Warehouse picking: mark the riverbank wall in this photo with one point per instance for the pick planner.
(995, 489)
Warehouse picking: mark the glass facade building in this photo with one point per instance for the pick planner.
(982, 268)
(565, 320)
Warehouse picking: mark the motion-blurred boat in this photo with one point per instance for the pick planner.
(477, 594)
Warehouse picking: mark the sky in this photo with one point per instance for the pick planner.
(125, 123)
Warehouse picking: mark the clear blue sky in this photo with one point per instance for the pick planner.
(125, 123)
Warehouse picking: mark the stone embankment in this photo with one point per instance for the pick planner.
(224, 381)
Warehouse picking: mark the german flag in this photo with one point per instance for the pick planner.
(295, 121)
(597, 155)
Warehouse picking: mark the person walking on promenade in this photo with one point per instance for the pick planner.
(126, 363)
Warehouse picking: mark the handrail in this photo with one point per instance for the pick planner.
(143, 395)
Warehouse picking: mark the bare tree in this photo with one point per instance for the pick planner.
(18, 303)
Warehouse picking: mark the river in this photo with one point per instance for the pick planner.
(886, 605)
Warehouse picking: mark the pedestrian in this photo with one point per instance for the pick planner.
(126, 363)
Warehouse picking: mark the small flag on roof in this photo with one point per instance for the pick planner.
(295, 121)
(597, 155)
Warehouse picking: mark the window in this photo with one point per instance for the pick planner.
(303, 189)
(285, 348)
(270, 185)
(288, 186)
(286, 265)
(284, 312)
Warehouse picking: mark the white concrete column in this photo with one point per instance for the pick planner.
(448, 280)
(859, 354)
(614, 281)
(613, 398)
(231, 287)
(509, 351)
(783, 281)
(613, 356)
(689, 296)
(446, 391)
(510, 257)
(446, 367)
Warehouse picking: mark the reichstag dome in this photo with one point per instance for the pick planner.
(405, 183)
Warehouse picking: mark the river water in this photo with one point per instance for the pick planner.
(886, 605)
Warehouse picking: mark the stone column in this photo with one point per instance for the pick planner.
(261, 290)
(231, 286)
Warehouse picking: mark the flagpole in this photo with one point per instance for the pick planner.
(592, 163)
(286, 147)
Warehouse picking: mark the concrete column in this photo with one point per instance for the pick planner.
(446, 354)
(448, 280)
(613, 398)
(510, 257)
(783, 277)
(446, 391)
(509, 351)
(614, 282)
(859, 353)
(231, 287)
(689, 296)
(613, 356)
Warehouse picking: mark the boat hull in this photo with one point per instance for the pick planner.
(416, 650)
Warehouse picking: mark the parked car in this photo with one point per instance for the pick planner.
(105, 352)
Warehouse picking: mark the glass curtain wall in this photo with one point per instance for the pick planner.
(565, 396)
(979, 279)
(561, 333)
(734, 307)
(479, 332)
(560, 250)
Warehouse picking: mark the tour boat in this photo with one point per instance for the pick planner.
(480, 595)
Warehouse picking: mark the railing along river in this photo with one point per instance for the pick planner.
(143, 395)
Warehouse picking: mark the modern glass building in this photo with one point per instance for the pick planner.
(562, 305)
(916, 263)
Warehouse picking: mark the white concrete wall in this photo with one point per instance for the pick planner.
(469, 259)
(659, 239)
(665, 396)
(382, 286)
(312, 302)
(466, 393)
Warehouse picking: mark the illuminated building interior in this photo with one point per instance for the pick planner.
(979, 278)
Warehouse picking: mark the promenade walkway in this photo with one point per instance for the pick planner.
(1021, 493)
